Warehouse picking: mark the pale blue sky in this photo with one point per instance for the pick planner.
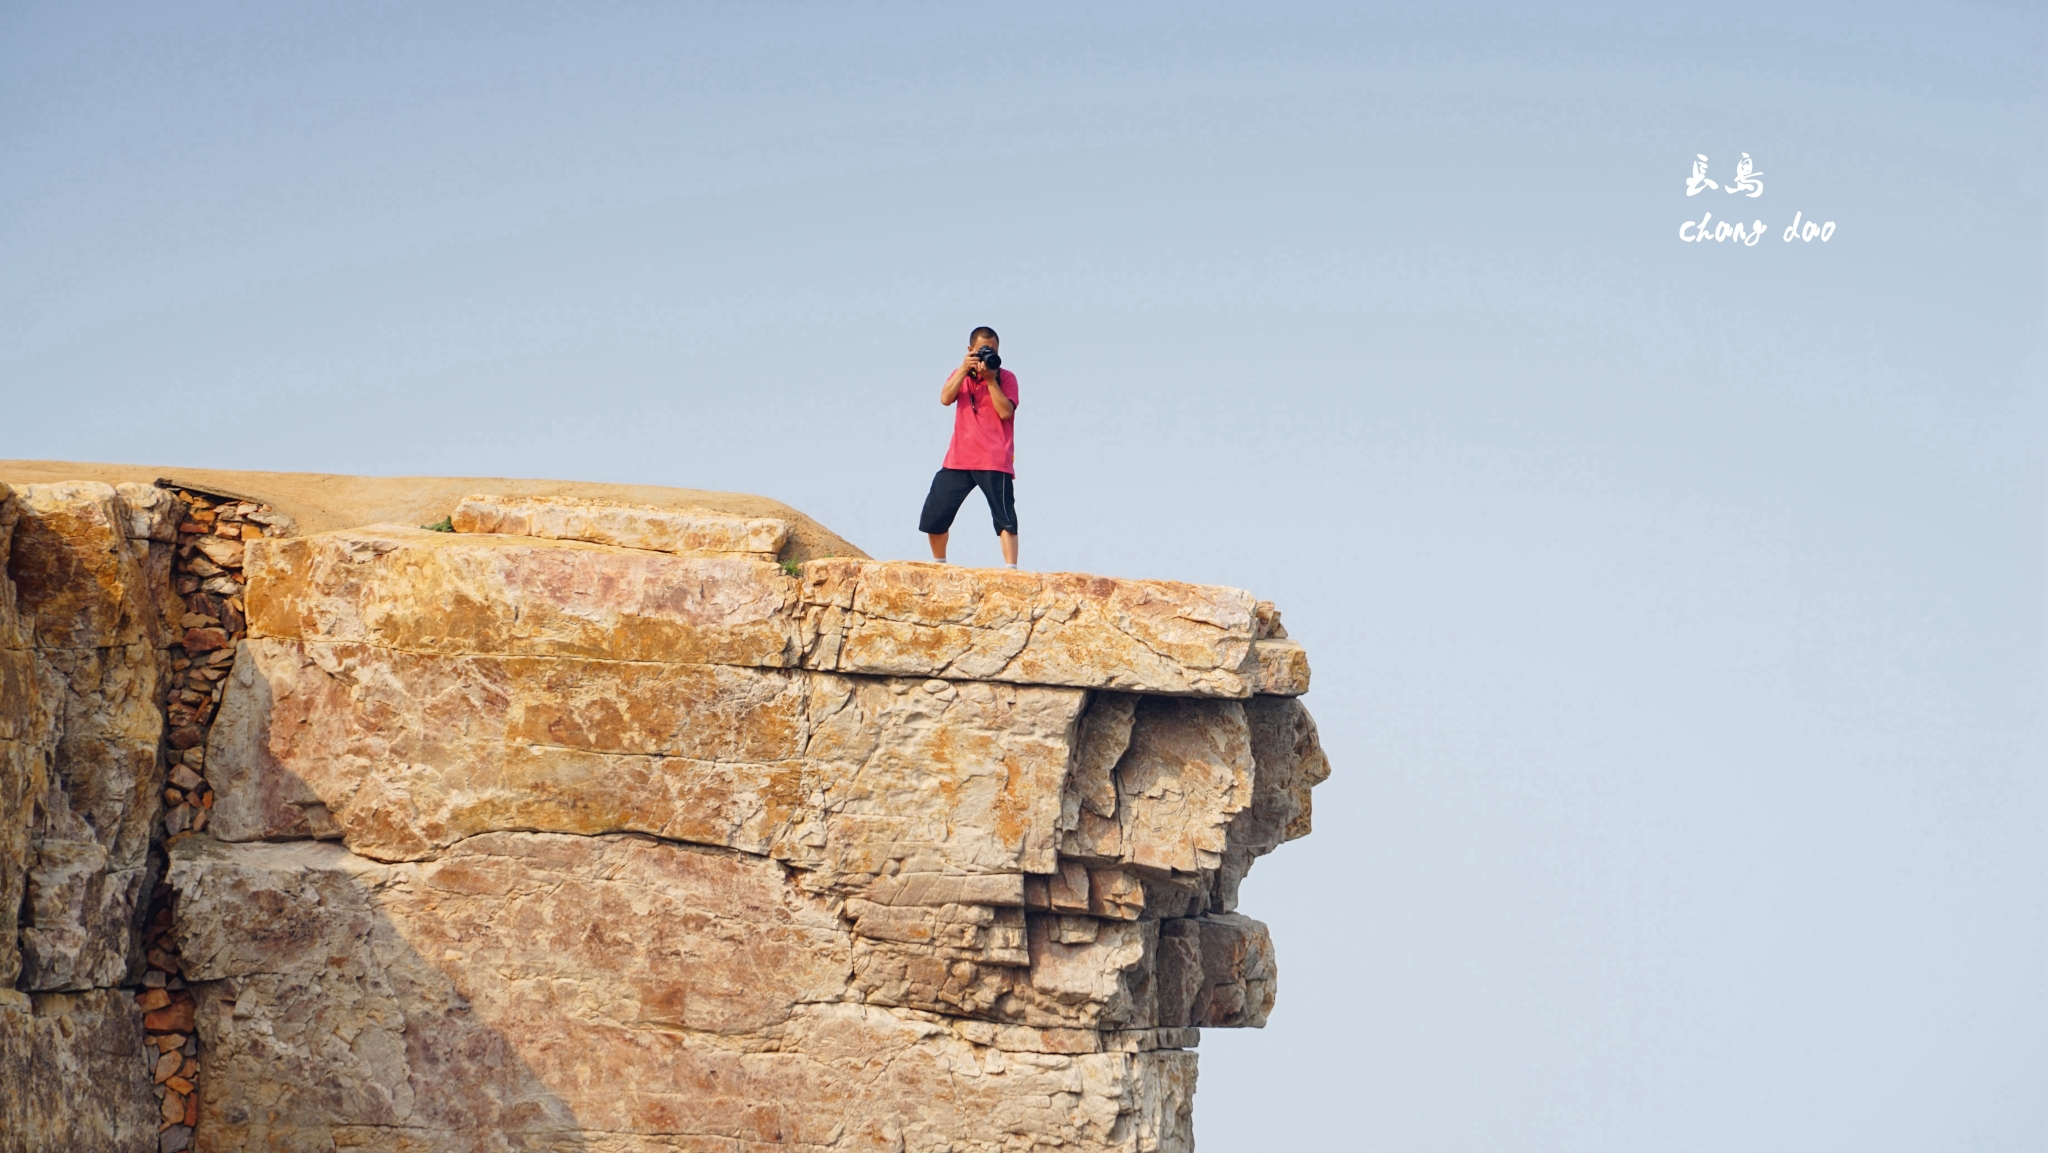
(1676, 610)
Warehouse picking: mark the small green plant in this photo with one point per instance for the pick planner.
(793, 568)
(445, 524)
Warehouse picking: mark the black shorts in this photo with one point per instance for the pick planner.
(952, 485)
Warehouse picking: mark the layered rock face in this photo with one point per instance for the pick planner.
(82, 662)
(593, 825)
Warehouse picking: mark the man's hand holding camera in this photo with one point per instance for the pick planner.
(983, 366)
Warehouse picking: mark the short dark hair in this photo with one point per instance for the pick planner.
(984, 330)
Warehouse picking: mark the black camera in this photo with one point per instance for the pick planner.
(988, 358)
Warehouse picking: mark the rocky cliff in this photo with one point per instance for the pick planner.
(590, 820)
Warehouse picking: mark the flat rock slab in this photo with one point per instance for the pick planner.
(460, 594)
(851, 779)
(320, 502)
(908, 618)
(484, 594)
(684, 531)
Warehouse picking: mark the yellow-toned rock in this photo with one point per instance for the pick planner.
(1104, 981)
(77, 582)
(460, 593)
(1187, 772)
(588, 825)
(84, 608)
(1280, 668)
(853, 780)
(406, 753)
(932, 777)
(1090, 794)
(532, 987)
(685, 531)
(1100, 979)
(1209, 970)
(956, 932)
(1039, 628)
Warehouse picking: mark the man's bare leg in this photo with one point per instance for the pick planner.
(938, 540)
(1009, 540)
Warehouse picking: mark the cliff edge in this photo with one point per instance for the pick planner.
(621, 820)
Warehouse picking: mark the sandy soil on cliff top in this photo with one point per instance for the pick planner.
(321, 501)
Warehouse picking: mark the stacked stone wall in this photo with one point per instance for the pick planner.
(205, 619)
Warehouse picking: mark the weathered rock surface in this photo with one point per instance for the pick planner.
(685, 532)
(517, 596)
(86, 611)
(1290, 763)
(310, 502)
(607, 992)
(76, 1076)
(80, 668)
(29, 695)
(406, 753)
(1036, 628)
(1187, 771)
(587, 825)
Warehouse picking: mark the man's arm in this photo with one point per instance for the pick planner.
(951, 391)
(1004, 409)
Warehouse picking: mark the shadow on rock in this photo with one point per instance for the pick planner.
(323, 1027)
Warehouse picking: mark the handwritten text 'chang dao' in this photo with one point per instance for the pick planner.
(1748, 182)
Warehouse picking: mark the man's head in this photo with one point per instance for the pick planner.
(981, 346)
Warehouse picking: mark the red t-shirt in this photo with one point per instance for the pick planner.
(981, 439)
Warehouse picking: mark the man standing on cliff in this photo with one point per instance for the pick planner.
(983, 454)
